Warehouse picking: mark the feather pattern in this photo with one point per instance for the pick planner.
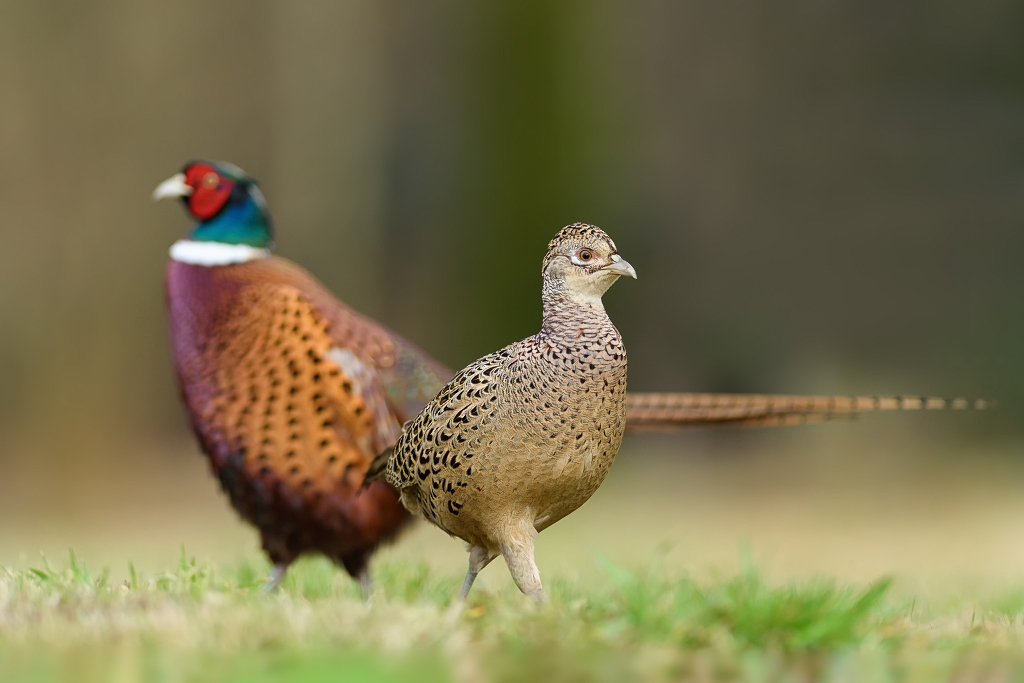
(291, 392)
(525, 435)
(285, 388)
(645, 411)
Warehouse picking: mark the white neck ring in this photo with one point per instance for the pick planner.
(215, 253)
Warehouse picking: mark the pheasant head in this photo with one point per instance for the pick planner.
(226, 202)
(582, 263)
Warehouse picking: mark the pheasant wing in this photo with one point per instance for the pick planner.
(293, 406)
(409, 377)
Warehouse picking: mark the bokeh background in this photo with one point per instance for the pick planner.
(818, 196)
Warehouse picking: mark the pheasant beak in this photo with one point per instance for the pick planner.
(175, 186)
(620, 266)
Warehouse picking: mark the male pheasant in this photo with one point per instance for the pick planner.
(291, 393)
(525, 435)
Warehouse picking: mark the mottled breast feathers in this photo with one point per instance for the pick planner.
(291, 402)
(557, 410)
(286, 390)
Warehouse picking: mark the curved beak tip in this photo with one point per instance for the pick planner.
(175, 186)
(621, 266)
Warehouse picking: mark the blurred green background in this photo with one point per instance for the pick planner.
(818, 197)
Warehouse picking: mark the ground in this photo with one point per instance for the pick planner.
(198, 622)
(760, 558)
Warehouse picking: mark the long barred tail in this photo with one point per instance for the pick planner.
(648, 411)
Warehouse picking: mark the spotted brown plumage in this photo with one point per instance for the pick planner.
(290, 392)
(524, 436)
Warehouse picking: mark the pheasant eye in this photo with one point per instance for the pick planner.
(210, 180)
(585, 255)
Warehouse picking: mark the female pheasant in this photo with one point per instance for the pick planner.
(290, 392)
(525, 435)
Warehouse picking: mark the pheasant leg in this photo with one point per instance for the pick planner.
(357, 566)
(276, 577)
(518, 554)
(365, 583)
(478, 559)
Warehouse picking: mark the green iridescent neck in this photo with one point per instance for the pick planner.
(243, 223)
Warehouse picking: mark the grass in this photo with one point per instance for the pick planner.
(203, 623)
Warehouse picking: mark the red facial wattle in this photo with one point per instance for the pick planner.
(210, 192)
